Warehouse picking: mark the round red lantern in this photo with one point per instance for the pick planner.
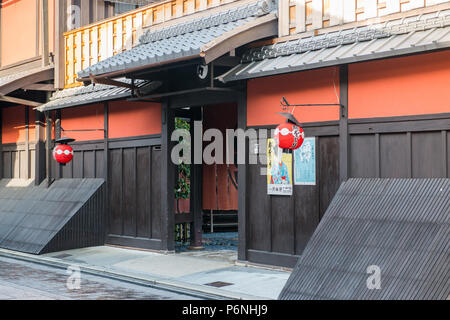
(63, 153)
(289, 136)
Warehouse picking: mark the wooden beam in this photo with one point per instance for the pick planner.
(20, 101)
(40, 87)
(111, 82)
(205, 97)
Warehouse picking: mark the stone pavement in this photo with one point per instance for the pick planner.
(10, 291)
(211, 271)
(22, 280)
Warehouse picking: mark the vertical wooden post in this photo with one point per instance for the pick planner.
(377, 156)
(343, 124)
(444, 154)
(27, 143)
(40, 154)
(58, 134)
(0, 62)
(336, 12)
(167, 177)
(1, 141)
(300, 16)
(409, 154)
(242, 179)
(48, 147)
(317, 14)
(60, 18)
(106, 164)
(283, 18)
(44, 30)
(196, 189)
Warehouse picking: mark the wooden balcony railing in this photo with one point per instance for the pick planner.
(297, 16)
(93, 43)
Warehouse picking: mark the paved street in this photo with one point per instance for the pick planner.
(25, 281)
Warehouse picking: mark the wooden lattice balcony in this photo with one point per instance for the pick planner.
(95, 42)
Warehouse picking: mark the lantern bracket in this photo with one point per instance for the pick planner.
(284, 103)
(77, 130)
(64, 140)
(290, 116)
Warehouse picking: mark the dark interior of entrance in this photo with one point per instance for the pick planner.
(219, 186)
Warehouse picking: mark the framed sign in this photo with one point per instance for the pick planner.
(305, 163)
(279, 170)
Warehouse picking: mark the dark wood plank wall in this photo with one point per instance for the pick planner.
(16, 163)
(280, 226)
(134, 166)
(399, 147)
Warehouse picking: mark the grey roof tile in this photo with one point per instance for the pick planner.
(21, 74)
(182, 40)
(415, 34)
(91, 94)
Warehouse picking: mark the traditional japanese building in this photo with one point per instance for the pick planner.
(371, 80)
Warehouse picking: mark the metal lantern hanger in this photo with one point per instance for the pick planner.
(290, 135)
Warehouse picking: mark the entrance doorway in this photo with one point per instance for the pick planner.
(218, 190)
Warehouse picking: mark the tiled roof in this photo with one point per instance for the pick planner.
(400, 226)
(6, 80)
(403, 36)
(180, 41)
(89, 94)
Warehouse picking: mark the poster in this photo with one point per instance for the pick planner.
(279, 173)
(305, 163)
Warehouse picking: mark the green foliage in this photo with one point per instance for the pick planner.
(183, 186)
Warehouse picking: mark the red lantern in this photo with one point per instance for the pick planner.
(63, 153)
(289, 136)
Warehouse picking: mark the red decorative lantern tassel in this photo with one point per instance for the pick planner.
(289, 136)
(63, 153)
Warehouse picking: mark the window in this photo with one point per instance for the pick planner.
(123, 7)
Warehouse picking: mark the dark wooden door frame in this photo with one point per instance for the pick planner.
(168, 107)
(167, 177)
(196, 181)
(242, 179)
